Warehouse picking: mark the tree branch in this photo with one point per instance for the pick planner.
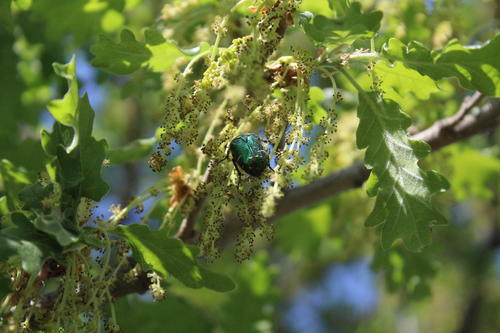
(436, 135)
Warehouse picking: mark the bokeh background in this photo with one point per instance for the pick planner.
(324, 271)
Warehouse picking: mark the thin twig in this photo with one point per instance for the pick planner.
(465, 108)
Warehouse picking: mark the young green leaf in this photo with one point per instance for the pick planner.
(124, 57)
(52, 225)
(92, 153)
(403, 206)
(82, 165)
(64, 110)
(129, 55)
(33, 194)
(154, 250)
(397, 81)
(476, 69)
(79, 154)
(60, 135)
(346, 29)
(69, 171)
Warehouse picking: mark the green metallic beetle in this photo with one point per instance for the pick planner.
(248, 154)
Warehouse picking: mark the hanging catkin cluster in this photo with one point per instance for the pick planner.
(243, 90)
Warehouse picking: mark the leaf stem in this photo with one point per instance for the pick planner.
(107, 244)
(18, 312)
(112, 308)
(67, 286)
(172, 210)
(215, 47)
(351, 79)
(239, 3)
(334, 84)
(150, 211)
(147, 194)
(361, 91)
(187, 70)
(370, 56)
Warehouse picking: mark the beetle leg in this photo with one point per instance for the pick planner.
(225, 158)
(237, 170)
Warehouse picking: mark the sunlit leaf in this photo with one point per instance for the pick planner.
(163, 53)
(64, 110)
(128, 55)
(124, 57)
(204, 46)
(318, 7)
(399, 81)
(346, 29)
(403, 206)
(476, 68)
